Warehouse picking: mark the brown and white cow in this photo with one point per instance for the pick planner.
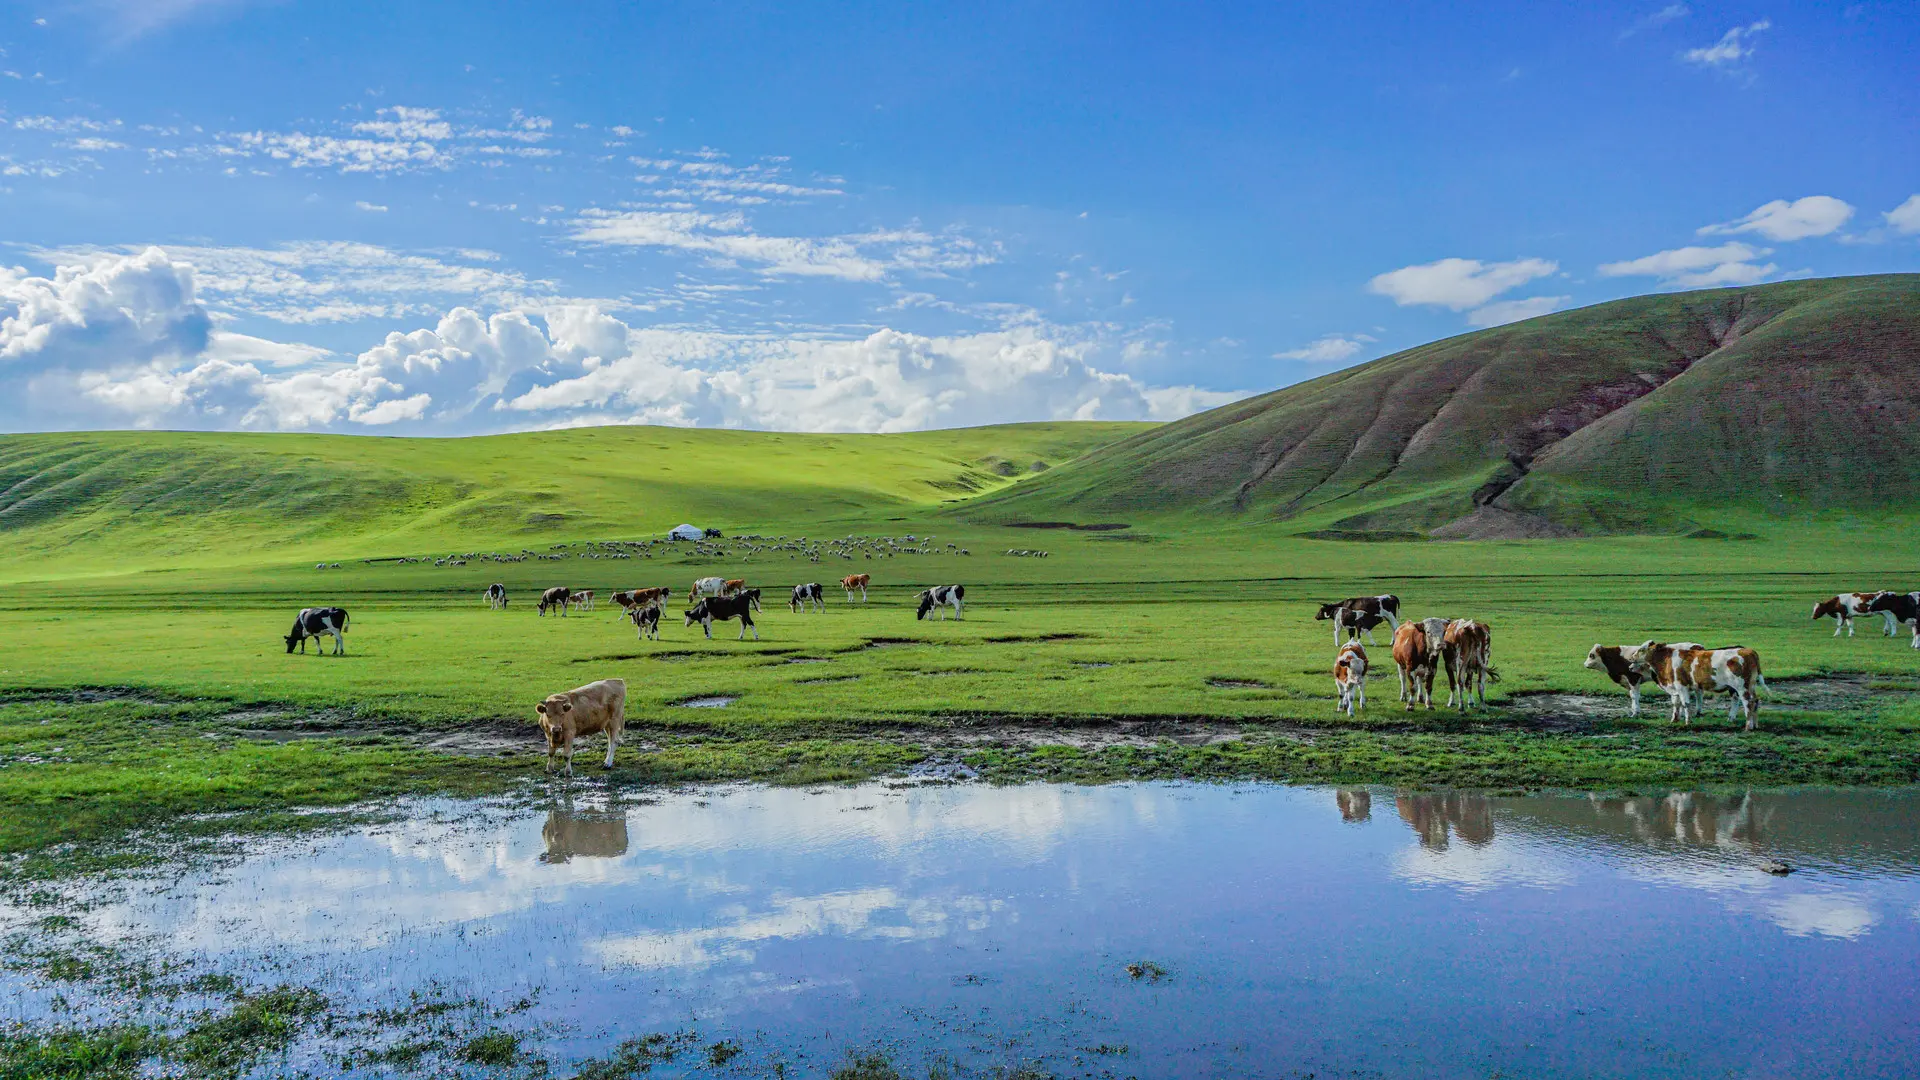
(1689, 674)
(733, 586)
(706, 586)
(856, 581)
(587, 710)
(1352, 615)
(637, 598)
(556, 599)
(582, 600)
(1620, 663)
(1466, 647)
(1849, 606)
(1415, 661)
(1350, 677)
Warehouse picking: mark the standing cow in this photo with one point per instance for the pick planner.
(1415, 661)
(1466, 646)
(1621, 663)
(1350, 677)
(723, 608)
(1360, 614)
(497, 596)
(1846, 607)
(706, 586)
(810, 593)
(856, 581)
(555, 599)
(1688, 675)
(314, 622)
(595, 707)
(646, 620)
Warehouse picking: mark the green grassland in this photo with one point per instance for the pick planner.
(143, 678)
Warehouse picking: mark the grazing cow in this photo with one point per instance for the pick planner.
(1350, 677)
(646, 619)
(1620, 663)
(1688, 675)
(706, 586)
(313, 622)
(1415, 661)
(555, 599)
(723, 608)
(856, 581)
(1847, 607)
(497, 596)
(1467, 648)
(1897, 608)
(595, 707)
(942, 597)
(810, 593)
(733, 586)
(1346, 614)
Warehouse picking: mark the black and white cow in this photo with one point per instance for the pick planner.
(1347, 615)
(646, 619)
(810, 593)
(556, 598)
(497, 596)
(723, 608)
(314, 622)
(1897, 608)
(943, 597)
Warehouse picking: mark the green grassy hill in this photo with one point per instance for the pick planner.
(131, 500)
(1657, 413)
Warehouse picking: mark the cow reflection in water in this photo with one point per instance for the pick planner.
(590, 835)
(1355, 805)
(1691, 818)
(1436, 818)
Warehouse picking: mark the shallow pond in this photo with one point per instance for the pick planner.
(1275, 931)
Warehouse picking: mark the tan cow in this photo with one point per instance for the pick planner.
(1689, 675)
(1466, 647)
(1415, 661)
(596, 707)
(856, 581)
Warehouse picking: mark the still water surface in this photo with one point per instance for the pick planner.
(1303, 930)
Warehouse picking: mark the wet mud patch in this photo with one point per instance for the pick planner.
(1091, 664)
(888, 643)
(705, 701)
(973, 732)
(488, 738)
(824, 679)
(1223, 683)
(1015, 638)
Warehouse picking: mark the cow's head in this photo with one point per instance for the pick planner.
(1641, 663)
(292, 640)
(553, 711)
(1829, 606)
(697, 613)
(926, 604)
(1596, 657)
(1327, 611)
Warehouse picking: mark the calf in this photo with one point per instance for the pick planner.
(856, 581)
(810, 593)
(1411, 656)
(1350, 677)
(646, 619)
(313, 622)
(582, 599)
(1689, 674)
(595, 707)
(1383, 607)
(555, 599)
(1897, 608)
(1467, 648)
(497, 596)
(706, 586)
(723, 608)
(1621, 664)
(1847, 607)
(942, 597)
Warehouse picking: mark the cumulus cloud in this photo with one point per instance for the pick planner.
(1905, 218)
(1329, 349)
(1734, 46)
(1814, 215)
(1698, 267)
(123, 339)
(729, 239)
(1458, 284)
(1508, 311)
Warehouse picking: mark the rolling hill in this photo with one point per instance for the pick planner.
(1651, 414)
(129, 500)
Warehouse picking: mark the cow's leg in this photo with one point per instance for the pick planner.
(1752, 703)
(613, 740)
(1888, 616)
(1360, 693)
(1633, 700)
(1370, 640)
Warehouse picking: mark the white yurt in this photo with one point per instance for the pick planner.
(686, 532)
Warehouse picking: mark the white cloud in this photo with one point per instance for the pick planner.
(1814, 215)
(1734, 46)
(1330, 349)
(1509, 311)
(729, 240)
(1658, 19)
(122, 339)
(1698, 267)
(401, 123)
(1458, 284)
(1905, 218)
(372, 208)
(1824, 915)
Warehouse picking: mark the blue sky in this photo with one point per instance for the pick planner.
(442, 219)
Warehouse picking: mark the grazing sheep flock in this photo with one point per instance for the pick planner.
(1688, 672)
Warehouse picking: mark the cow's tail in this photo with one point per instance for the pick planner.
(1493, 673)
(344, 620)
